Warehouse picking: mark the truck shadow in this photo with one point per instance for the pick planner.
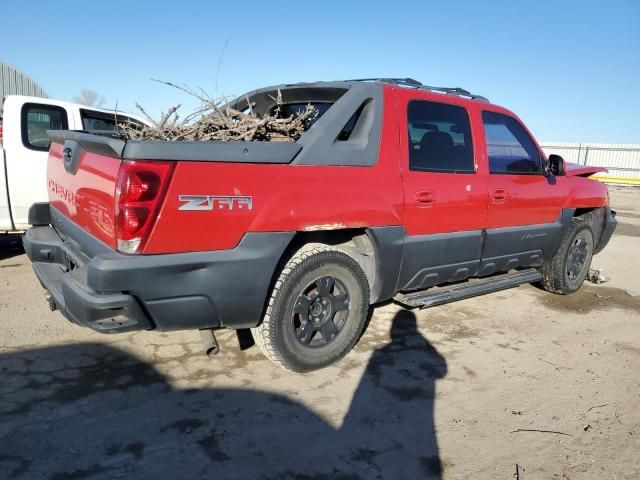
(10, 245)
(92, 411)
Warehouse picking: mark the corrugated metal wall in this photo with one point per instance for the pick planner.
(14, 82)
(622, 160)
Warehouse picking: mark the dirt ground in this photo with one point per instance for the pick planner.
(462, 391)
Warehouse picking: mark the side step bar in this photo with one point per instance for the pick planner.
(471, 288)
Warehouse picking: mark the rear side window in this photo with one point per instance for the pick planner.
(439, 138)
(293, 109)
(104, 121)
(36, 120)
(511, 150)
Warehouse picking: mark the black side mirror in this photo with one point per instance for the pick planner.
(557, 165)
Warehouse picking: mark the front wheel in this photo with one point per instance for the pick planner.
(317, 309)
(568, 268)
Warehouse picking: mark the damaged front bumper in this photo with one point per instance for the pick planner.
(608, 227)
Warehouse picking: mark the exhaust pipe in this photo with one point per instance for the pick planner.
(209, 342)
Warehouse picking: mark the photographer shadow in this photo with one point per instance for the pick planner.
(92, 411)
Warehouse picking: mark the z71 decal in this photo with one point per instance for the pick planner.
(215, 202)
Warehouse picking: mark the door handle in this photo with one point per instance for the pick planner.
(499, 195)
(427, 198)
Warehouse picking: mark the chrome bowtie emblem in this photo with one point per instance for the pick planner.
(215, 202)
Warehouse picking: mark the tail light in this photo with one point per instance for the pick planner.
(139, 192)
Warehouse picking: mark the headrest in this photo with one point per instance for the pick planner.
(438, 141)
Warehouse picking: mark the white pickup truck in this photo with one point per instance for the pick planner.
(24, 147)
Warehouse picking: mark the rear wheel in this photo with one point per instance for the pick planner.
(566, 271)
(317, 309)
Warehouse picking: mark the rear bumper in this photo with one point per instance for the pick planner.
(111, 292)
(608, 227)
(60, 269)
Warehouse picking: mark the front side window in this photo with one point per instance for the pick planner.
(439, 138)
(36, 120)
(511, 150)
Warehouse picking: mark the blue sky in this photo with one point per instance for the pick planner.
(569, 69)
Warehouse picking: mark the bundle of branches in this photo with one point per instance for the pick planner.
(215, 120)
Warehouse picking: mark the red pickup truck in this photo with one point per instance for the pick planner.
(396, 190)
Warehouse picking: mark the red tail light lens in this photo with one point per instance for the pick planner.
(139, 192)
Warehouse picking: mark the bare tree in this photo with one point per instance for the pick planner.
(89, 98)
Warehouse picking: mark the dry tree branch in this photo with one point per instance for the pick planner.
(540, 431)
(185, 89)
(166, 116)
(147, 116)
(216, 120)
(215, 79)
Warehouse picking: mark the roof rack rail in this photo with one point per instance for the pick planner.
(455, 91)
(410, 82)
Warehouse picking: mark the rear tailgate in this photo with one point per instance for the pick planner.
(82, 171)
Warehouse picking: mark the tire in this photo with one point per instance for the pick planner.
(312, 321)
(566, 271)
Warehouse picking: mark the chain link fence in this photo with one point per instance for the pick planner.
(622, 160)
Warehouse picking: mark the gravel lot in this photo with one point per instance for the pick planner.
(466, 390)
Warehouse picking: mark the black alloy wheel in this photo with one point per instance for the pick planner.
(320, 312)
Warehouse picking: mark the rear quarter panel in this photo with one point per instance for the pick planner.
(284, 197)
